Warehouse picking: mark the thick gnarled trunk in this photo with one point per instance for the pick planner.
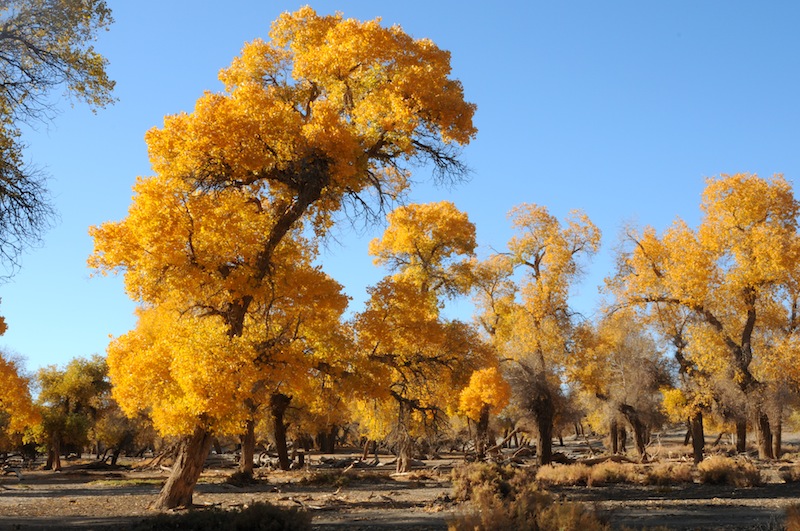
(763, 436)
(248, 440)
(179, 488)
(543, 414)
(279, 403)
(698, 436)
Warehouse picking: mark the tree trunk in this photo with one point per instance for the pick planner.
(365, 455)
(613, 434)
(623, 440)
(698, 436)
(741, 435)
(115, 455)
(54, 455)
(639, 430)
(404, 448)
(482, 432)
(764, 436)
(777, 437)
(248, 440)
(543, 413)
(688, 436)
(279, 403)
(178, 490)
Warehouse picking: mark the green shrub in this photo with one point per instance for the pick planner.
(257, 517)
(720, 470)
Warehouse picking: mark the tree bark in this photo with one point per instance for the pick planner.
(543, 414)
(248, 440)
(279, 403)
(54, 455)
(482, 432)
(614, 436)
(777, 437)
(741, 435)
(639, 430)
(178, 490)
(698, 436)
(764, 436)
(404, 447)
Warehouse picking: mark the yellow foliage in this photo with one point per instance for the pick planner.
(15, 397)
(218, 245)
(487, 387)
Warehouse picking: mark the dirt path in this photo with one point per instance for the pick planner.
(371, 499)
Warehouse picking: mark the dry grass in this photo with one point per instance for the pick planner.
(505, 498)
(668, 474)
(720, 470)
(792, 522)
(610, 472)
(563, 475)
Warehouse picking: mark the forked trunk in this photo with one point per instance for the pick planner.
(741, 435)
(698, 436)
(640, 433)
(279, 403)
(192, 453)
(248, 440)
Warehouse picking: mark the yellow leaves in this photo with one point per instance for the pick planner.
(15, 396)
(428, 245)
(487, 387)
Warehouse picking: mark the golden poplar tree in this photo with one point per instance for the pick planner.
(523, 303)
(328, 115)
(412, 357)
(730, 274)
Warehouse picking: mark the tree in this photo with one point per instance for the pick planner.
(528, 316)
(70, 400)
(486, 393)
(622, 368)
(328, 114)
(413, 358)
(17, 412)
(731, 273)
(44, 44)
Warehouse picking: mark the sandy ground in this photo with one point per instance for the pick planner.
(374, 499)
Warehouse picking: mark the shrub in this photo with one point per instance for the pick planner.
(792, 522)
(563, 475)
(668, 474)
(257, 517)
(335, 478)
(719, 470)
(790, 474)
(611, 472)
(504, 498)
(480, 476)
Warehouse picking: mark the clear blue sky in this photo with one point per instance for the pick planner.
(618, 108)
